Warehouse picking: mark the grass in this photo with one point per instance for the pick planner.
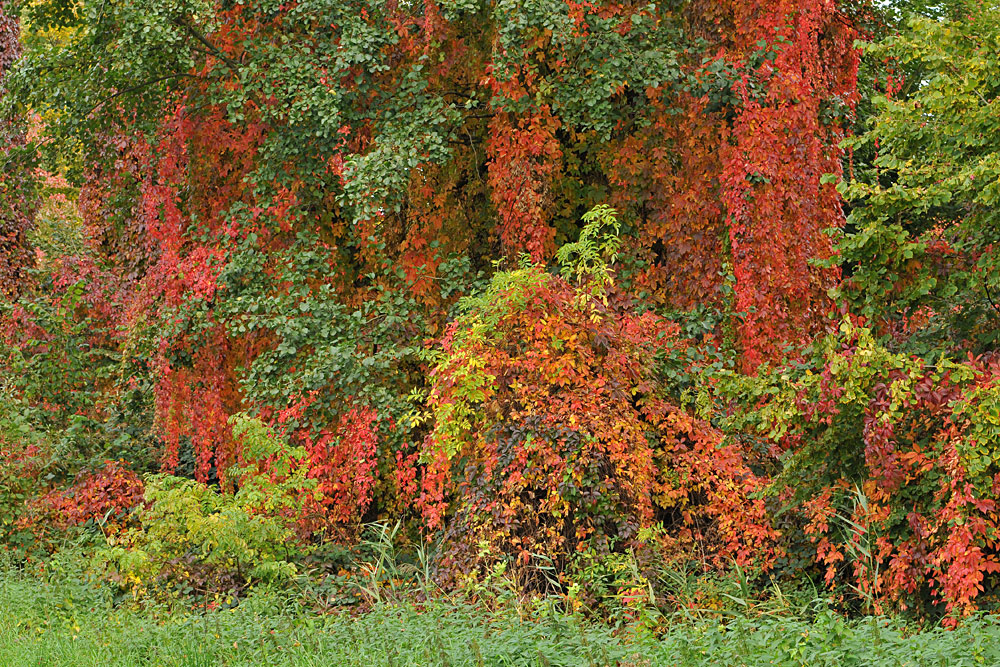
(70, 624)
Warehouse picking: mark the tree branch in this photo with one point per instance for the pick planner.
(144, 84)
(232, 64)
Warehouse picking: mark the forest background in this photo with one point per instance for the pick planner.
(604, 303)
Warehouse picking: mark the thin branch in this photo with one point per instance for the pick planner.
(144, 84)
(989, 295)
(232, 64)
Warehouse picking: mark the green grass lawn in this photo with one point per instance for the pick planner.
(72, 625)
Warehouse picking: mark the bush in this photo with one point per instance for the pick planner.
(194, 539)
(104, 498)
(552, 434)
(892, 463)
(24, 461)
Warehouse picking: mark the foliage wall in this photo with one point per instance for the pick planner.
(550, 281)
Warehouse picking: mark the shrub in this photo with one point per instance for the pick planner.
(105, 497)
(892, 462)
(193, 538)
(552, 433)
(24, 460)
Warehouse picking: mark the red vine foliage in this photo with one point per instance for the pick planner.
(342, 461)
(922, 527)
(107, 496)
(782, 145)
(194, 401)
(738, 187)
(524, 160)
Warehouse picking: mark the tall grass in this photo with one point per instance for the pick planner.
(71, 624)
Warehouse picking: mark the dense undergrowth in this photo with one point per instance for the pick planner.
(541, 331)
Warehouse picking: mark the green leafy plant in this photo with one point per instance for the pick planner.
(193, 538)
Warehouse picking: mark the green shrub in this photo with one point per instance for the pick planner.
(194, 539)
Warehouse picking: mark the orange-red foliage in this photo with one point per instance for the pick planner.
(524, 159)
(570, 442)
(928, 526)
(740, 187)
(343, 463)
(107, 495)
